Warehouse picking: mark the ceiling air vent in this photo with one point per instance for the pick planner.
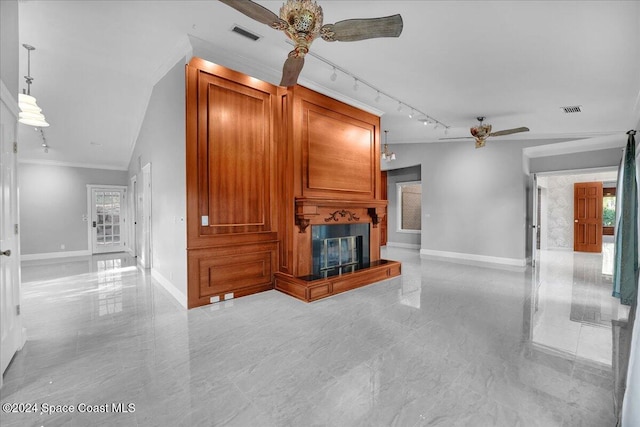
(245, 33)
(572, 109)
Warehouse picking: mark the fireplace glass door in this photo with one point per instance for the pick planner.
(339, 248)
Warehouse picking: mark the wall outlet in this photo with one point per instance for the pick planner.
(62, 246)
(228, 296)
(213, 300)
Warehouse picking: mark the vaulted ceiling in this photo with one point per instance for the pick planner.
(515, 62)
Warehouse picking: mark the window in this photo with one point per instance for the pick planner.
(409, 206)
(608, 210)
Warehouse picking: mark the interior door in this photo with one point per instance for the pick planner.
(587, 219)
(107, 229)
(12, 337)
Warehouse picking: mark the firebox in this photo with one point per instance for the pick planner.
(339, 248)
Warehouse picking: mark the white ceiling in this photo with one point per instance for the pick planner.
(515, 62)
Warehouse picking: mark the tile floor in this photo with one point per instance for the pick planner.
(445, 344)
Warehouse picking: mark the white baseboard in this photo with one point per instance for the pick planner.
(403, 245)
(169, 287)
(557, 248)
(483, 259)
(52, 255)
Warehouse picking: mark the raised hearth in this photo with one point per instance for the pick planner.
(337, 247)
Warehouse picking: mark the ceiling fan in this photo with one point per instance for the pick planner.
(301, 21)
(483, 131)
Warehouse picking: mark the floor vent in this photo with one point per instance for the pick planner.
(245, 33)
(572, 109)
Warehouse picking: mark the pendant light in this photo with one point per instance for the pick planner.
(386, 154)
(30, 114)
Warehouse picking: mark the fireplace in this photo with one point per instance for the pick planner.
(339, 248)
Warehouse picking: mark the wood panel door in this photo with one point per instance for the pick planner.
(587, 217)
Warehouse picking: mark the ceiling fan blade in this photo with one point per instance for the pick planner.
(361, 29)
(254, 11)
(291, 70)
(509, 131)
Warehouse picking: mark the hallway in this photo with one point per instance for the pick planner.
(444, 344)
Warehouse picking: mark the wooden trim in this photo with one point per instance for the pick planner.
(318, 211)
(308, 291)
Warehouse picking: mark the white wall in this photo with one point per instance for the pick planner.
(161, 142)
(583, 160)
(53, 201)
(9, 46)
(473, 200)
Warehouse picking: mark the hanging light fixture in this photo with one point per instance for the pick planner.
(30, 114)
(386, 154)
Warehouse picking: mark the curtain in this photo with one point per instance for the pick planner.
(625, 263)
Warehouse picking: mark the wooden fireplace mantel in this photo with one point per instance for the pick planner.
(319, 211)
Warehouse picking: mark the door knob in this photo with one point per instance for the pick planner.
(575, 220)
(6, 253)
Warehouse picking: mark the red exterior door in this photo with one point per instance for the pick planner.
(587, 218)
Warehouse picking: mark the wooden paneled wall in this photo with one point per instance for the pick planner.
(232, 239)
(333, 154)
(264, 162)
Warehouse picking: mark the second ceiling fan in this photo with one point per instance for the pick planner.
(483, 131)
(301, 21)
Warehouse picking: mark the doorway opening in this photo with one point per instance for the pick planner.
(554, 208)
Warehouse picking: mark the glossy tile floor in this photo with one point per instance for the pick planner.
(444, 345)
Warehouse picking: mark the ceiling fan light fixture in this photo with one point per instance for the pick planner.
(304, 18)
(302, 22)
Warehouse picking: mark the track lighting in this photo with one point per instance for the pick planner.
(356, 85)
(44, 145)
(334, 76)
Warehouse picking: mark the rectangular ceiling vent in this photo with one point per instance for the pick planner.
(245, 33)
(572, 109)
